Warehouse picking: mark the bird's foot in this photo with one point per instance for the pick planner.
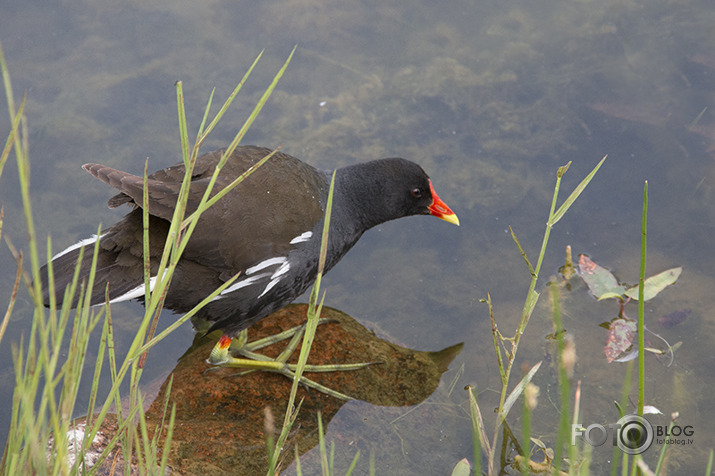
(221, 356)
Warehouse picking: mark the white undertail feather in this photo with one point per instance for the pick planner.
(80, 244)
(135, 292)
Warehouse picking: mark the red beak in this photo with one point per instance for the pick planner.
(440, 209)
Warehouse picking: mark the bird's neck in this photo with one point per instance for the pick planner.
(359, 198)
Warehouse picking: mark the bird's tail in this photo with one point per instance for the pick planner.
(109, 275)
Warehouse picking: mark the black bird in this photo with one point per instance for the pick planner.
(268, 229)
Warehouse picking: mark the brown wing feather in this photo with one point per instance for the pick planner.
(271, 212)
(256, 220)
(162, 195)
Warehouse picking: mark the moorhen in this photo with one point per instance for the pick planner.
(268, 229)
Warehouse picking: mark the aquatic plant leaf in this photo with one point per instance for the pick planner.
(620, 337)
(463, 468)
(610, 295)
(599, 280)
(655, 284)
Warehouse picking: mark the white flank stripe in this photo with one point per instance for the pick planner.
(268, 288)
(242, 284)
(301, 238)
(281, 271)
(275, 277)
(86, 241)
(264, 264)
(248, 281)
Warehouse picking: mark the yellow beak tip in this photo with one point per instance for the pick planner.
(451, 219)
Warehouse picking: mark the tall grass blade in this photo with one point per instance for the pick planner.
(183, 125)
(353, 464)
(163, 467)
(203, 134)
(13, 296)
(479, 435)
(324, 465)
(575, 194)
(564, 377)
(641, 304)
(314, 309)
(10, 142)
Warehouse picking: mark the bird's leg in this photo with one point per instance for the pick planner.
(266, 341)
(221, 356)
(297, 334)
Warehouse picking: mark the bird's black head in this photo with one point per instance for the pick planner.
(391, 188)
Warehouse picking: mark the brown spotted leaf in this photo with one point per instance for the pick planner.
(599, 280)
(621, 333)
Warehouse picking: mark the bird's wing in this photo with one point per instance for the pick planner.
(256, 221)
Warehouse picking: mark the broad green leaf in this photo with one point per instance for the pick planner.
(655, 284)
(599, 280)
(463, 468)
(609, 295)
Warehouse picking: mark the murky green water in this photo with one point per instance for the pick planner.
(489, 97)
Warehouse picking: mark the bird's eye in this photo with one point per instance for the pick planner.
(416, 192)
